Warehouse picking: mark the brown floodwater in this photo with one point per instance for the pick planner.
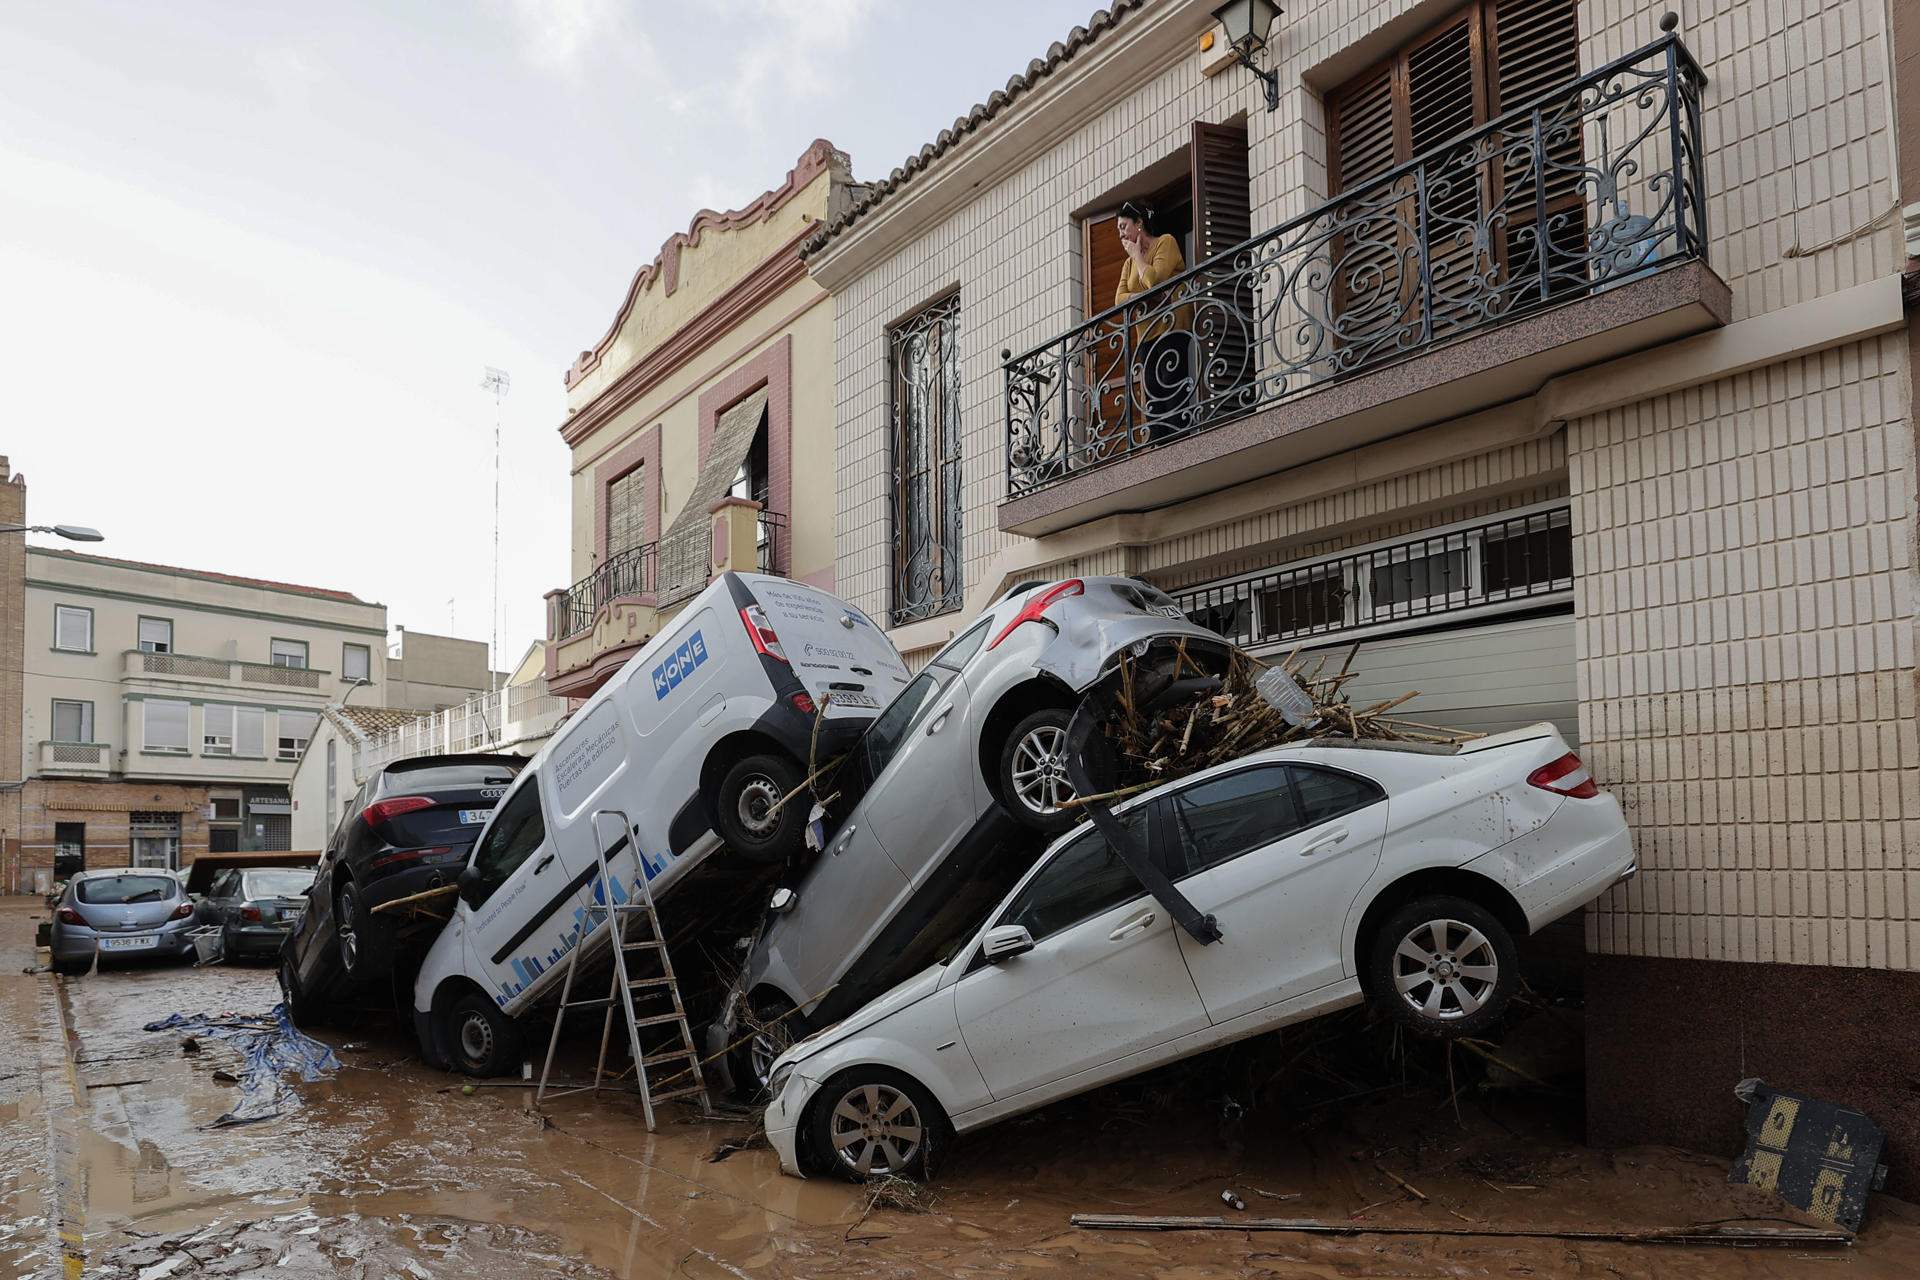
(389, 1170)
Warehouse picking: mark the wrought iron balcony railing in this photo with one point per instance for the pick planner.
(629, 573)
(1589, 186)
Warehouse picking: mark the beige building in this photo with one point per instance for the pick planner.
(429, 672)
(701, 426)
(165, 709)
(1556, 359)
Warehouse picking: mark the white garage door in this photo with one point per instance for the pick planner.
(1484, 679)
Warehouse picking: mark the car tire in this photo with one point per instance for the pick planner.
(365, 950)
(1032, 776)
(71, 968)
(1443, 967)
(748, 792)
(483, 1041)
(772, 1032)
(912, 1124)
(302, 1011)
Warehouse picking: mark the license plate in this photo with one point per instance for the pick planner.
(473, 817)
(1170, 611)
(845, 699)
(129, 944)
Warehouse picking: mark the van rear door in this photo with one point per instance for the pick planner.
(832, 646)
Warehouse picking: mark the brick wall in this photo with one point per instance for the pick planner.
(105, 808)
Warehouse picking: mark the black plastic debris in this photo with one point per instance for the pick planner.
(1814, 1155)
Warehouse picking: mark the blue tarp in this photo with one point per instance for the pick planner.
(270, 1047)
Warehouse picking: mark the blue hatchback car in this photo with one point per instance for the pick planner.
(121, 913)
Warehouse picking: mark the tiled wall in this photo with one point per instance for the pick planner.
(1743, 560)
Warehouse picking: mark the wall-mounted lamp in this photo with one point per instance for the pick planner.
(1247, 23)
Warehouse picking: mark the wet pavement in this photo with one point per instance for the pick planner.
(389, 1170)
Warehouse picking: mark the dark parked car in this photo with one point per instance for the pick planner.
(255, 907)
(406, 831)
(125, 912)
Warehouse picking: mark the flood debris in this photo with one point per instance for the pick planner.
(1814, 1155)
(1739, 1232)
(270, 1047)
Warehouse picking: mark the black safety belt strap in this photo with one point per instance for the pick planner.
(1132, 849)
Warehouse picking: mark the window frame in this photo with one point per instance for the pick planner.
(932, 327)
(86, 720)
(216, 744)
(140, 642)
(58, 610)
(346, 668)
(1189, 860)
(1144, 813)
(147, 744)
(291, 755)
(274, 655)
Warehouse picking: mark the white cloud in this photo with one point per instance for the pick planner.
(561, 35)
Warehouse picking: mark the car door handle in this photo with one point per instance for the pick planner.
(1133, 925)
(846, 838)
(939, 721)
(541, 865)
(1327, 841)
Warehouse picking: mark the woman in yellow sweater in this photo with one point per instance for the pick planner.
(1162, 344)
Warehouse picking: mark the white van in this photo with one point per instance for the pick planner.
(694, 740)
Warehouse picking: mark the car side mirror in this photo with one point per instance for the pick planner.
(1005, 942)
(783, 901)
(468, 882)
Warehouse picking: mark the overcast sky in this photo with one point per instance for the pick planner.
(255, 256)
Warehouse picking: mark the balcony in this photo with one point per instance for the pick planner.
(1560, 234)
(181, 666)
(76, 759)
(517, 714)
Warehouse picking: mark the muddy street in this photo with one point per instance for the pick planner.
(113, 1159)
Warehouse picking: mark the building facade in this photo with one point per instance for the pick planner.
(1554, 357)
(701, 426)
(165, 709)
(430, 672)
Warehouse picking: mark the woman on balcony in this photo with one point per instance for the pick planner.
(1162, 333)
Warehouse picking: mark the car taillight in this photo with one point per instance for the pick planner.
(803, 703)
(67, 915)
(760, 631)
(1037, 606)
(1565, 776)
(407, 855)
(183, 911)
(380, 810)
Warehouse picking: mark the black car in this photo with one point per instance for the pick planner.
(255, 907)
(406, 831)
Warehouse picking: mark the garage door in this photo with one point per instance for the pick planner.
(1486, 679)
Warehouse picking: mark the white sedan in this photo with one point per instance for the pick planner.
(1337, 873)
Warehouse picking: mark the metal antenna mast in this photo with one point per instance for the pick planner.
(496, 381)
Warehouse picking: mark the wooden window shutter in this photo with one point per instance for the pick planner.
(1535, 51)
(1222, 219)
(1446, 97)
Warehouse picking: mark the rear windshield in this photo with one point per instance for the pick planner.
(445, 776)
(289, 883)
(116, 889)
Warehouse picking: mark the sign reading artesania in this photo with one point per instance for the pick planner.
(679, 665)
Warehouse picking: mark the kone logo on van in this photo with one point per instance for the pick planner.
(668, 675)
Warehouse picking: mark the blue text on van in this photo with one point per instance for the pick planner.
(679, 665)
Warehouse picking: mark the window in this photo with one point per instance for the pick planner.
(960, 651)
(1534, 553)
(72, 628)
(289, 653)
(156, 635)
(156, 839)
(1326, 794)
(166, 726)
(356, 662)
(517, 831)
(626, 512)
(1309, 600)
(69, 849)
(884, 736)
(1428, 574)
(226, 808)
(1224, 817)
(250, 732)
(72, 721)
(216, 733)
(296, 730)
(115, 891)
(1083, 880)
(925, 355)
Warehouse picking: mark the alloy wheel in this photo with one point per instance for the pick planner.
(876, 1129)
(1040, 769)
(1445, 969)
(343, 927)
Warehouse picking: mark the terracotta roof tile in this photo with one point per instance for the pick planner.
(365, 722)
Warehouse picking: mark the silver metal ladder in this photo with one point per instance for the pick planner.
(650, 999)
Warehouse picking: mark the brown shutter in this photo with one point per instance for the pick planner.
(1535, 52)
(1222, 219)
(1104, 372)
(1444, 100)
(1370, 291)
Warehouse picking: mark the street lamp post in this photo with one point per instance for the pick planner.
(71, 532)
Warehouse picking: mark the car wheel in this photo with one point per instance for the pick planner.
(484, 1041)
(300, 1009)
(1033, 772)
(870, 1122)
(71, 968)
(767, 1033)
(364, 949)
(1443, 966)
(745, 809)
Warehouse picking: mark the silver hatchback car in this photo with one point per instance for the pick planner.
(963, 777)
(121, 913)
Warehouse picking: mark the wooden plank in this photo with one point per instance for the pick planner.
(1708, 1233)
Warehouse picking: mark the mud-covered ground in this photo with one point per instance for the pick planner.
(389, 1170)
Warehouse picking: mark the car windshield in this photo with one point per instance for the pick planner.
(110, 890)
(438, 776)
(288, 883)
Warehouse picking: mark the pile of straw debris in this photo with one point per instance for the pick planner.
(1214, 715)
